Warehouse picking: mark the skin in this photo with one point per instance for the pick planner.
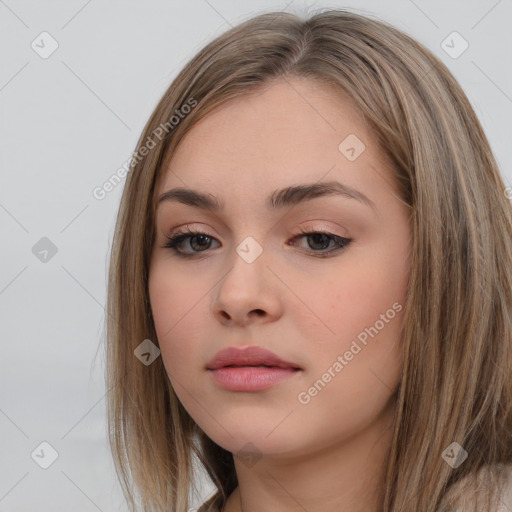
(328, 454)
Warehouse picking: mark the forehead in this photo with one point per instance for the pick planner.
(293, 131)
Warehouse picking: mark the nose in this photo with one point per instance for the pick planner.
(248, 293)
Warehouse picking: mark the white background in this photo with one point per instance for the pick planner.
(67, 123)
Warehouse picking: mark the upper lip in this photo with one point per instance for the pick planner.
(250, 356)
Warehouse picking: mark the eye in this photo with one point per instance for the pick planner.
(199, 242)
(320, 239)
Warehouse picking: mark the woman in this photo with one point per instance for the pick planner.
(343, 341)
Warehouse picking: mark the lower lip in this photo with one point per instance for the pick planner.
(250, 378)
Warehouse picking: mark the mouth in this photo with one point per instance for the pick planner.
(249, 357)
(252, 366)
(251, 378)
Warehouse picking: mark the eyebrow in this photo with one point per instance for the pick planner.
(289, 196)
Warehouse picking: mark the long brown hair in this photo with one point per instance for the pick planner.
(456, 385)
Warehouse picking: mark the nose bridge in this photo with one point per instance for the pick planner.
(244, 288)
(247, 266)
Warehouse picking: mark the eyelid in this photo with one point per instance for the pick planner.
(186, 228)
(308, 228)
(303, 229)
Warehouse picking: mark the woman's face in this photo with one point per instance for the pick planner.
(254, 278)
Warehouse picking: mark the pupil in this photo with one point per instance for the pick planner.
(316, 236)
(202, 239)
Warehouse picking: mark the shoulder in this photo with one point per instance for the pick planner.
(471, 490)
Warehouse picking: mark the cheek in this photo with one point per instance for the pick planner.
(176, 315)
(359, 311)
(358, 366)
(175, 299)
(367, 288)
(338, 305)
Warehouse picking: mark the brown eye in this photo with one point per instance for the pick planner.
(319, 241)
(198, 242)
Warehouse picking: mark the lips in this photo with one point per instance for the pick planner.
(251, 356)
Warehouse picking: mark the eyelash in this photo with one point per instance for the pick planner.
(173, 242)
